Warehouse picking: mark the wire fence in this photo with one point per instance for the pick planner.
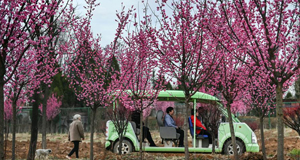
(60, 124)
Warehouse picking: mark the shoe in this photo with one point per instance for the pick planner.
(68, 157)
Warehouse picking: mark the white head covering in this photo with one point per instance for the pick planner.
(76, 116)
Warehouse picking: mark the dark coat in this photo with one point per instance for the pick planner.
(135, 117)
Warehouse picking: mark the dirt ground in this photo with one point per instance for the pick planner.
(61, 147)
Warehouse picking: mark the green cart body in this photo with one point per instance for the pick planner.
(245, 138)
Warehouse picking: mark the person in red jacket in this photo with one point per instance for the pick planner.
(202, 131)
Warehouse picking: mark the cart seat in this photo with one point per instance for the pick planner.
(166, 133)
(136, 130)
(201, 140)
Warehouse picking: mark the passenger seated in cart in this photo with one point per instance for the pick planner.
(169, 122)
(200, 129)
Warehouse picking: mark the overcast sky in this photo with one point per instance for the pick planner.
(103, 21)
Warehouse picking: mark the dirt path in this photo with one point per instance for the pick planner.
(60, 148)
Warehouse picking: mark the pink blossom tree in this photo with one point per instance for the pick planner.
(163, 105)
(120, 116)
(268, 32)
(230, 83)
(21, 23)
(185, 48)
(46, 56)
(11, 109)
(16, 93)
(210, 115)
(259, 97)
(89, 68)
(138, 70)
(53, 107)
(238, 106)
(8, 110)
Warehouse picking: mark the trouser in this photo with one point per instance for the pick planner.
(147, 134)
(181, 132)
(75, 149)
(205, 132)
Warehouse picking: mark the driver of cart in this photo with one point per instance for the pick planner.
(200, 128)
(135, 116)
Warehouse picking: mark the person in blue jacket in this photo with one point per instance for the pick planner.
(169, 122)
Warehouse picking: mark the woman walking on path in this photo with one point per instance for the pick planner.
(75, 135)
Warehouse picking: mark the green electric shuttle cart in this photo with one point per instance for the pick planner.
(246, 140)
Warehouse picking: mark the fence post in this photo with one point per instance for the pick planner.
(269, 120)
(59, 122)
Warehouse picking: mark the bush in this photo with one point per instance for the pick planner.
(248, 119)
(295, 153)
(252, 125)
(268, 123)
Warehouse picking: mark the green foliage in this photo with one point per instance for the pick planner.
(57, 86)
(169, 86)
(297, 88)
(60, 86)
(113, 69)
(295, 153)
(115, 64)
(289, 96)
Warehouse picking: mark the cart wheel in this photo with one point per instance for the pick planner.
(228, 149)
(126, 147)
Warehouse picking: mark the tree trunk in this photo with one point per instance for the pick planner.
(262, 136)
(280, 129)
(14, 105)
(94, 110)
(120, 144)
(213, 142)
(34, 127)
(121, 141)
(6, 126)
(51, 126)
(44, 117)
(44, 127)
(122, 129)
(297, 86)
(228, 107)
(2, 118)
(141, 134)
(54, 127)
(185, 128)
